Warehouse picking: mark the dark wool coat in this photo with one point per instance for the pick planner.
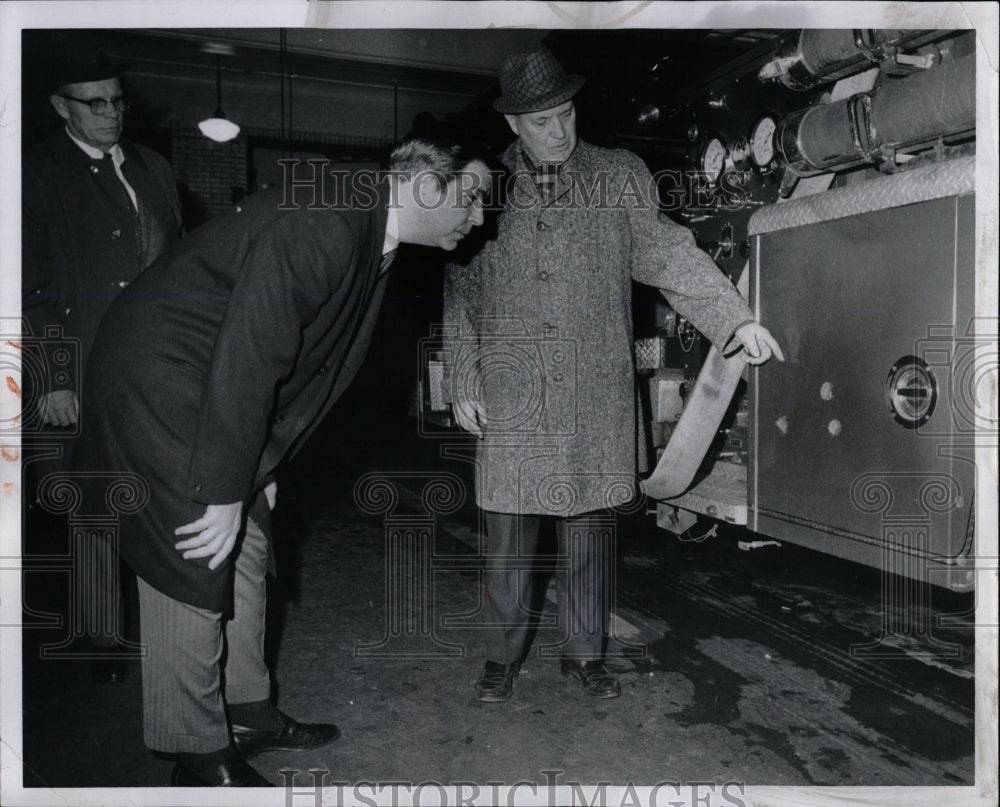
(539, 328)
(220, 360)
(79, 248)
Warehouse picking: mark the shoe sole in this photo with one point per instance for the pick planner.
(486, 698)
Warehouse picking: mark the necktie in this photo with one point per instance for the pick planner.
(387, 260)
(114, 182)
(546, 178)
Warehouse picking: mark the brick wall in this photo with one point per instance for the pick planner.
(211, 176)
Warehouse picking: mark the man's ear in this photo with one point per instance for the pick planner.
(514, 124)
(59, 104)
(428, 189)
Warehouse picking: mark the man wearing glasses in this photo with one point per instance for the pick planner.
(97, 210)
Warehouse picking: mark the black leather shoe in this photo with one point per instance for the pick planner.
(218, 769)
(111, 667)
(496, 681)
(598, 681)
(292, 736)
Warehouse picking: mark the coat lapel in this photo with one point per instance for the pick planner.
(137, 173)
(101, 172)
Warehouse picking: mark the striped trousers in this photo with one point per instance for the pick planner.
(198, 660)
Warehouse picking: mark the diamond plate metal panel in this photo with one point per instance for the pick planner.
(936, 181)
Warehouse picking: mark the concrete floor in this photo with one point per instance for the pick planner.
(736, 666)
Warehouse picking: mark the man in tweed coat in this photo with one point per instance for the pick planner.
(539, 343)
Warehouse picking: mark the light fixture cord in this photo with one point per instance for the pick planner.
(218, 87)
(282, 48)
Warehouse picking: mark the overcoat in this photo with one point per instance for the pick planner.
(220, 359)
(538, 327)
(79, 248)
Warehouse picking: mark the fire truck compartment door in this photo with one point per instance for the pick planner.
(861, 442)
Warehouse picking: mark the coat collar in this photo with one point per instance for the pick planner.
(581, 160)
(69, 153)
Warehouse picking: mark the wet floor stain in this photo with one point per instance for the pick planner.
(716, 687)
(777, 669)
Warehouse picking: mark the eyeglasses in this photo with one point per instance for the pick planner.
(99, 105)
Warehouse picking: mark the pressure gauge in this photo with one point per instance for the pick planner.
(740, 153)
(713, 159)
(762, 141)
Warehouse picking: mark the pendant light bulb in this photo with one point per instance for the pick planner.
(218, 128)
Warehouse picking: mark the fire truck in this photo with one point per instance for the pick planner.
(831, 175)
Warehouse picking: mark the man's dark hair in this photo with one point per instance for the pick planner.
(442, 154)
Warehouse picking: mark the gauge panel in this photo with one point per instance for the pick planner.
(713, 159)
(762, 141)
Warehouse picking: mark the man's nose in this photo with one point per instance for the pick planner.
(558, 129)
(476, 214)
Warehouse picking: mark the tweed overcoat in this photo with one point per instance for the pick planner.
(220, 359)
(538, 327)
(79, 248)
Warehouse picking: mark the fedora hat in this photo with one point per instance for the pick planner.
(533, 80)
(77, 65)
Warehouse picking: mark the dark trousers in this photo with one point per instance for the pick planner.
(581, 568)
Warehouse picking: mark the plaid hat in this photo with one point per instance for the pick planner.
(533, 80)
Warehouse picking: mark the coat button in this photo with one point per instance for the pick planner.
(94, 169)
(239, 209)
(116, 233)
(542, 226)
(119, 284)
(197, 488)
(278, 419)
(323, 370)
(543, 275)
